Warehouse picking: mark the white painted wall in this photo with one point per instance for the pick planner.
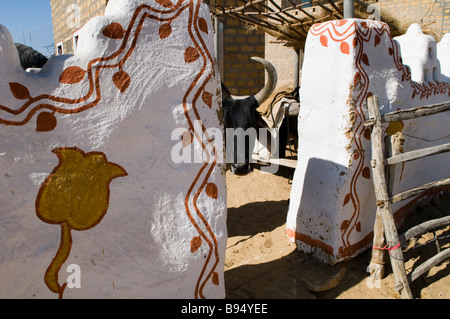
(164, 231)
(332, 205)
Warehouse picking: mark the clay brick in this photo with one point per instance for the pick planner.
(229, 31)
(253, 39)
(247, 48)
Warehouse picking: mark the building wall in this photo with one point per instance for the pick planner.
(238, 44)
(432, 13)
(285, 58)
(68, 17)
(332, 204)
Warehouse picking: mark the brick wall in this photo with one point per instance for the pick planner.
(68, 17)
(433, 14)
(285, 59)
(240, 74)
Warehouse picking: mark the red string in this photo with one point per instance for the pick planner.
(388, 248)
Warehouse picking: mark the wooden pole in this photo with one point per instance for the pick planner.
(384, 209)
(376, 267)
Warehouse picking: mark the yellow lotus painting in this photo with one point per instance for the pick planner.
(75, 196)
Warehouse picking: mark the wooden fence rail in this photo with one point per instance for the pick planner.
(385, 155)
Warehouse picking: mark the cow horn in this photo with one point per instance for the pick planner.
(268, 88)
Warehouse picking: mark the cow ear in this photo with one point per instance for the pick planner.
(225, 92)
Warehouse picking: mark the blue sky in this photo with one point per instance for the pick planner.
(29, 22)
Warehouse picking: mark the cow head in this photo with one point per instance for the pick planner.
(240, 112)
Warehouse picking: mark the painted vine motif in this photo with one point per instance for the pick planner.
(358, 34)
(44, 108)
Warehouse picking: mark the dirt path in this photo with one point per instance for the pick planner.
(262, 263)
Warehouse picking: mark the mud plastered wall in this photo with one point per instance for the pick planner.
(92, 203)
(332, 206)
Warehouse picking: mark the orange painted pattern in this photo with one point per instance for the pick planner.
(362, 33)
(197, 29)
(76, 74)
(45, 106)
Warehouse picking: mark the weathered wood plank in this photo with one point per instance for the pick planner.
(416, 154)
(413, 113)
(382, 171)
(433, 261)
(413, 192)
(423, 228)
(376, 267)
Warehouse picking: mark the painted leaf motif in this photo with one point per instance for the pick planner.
(45, 122)
(165, 30)
(345, 48)
(72, 75)
(367, 134)
(191, 54)
(165, 3)
(114, 30)
(211, 190)
(215, 278)
(365, 59)
(207, 98)
(324, 40)
(121, 80)
(377, 39)
(203, 25)
(196, 242)
(358, 227)
(19, 91)
(366, 172)
(346, 199)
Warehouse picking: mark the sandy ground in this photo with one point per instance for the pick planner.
(262, 263)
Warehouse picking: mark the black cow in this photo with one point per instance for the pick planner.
(240, 112)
